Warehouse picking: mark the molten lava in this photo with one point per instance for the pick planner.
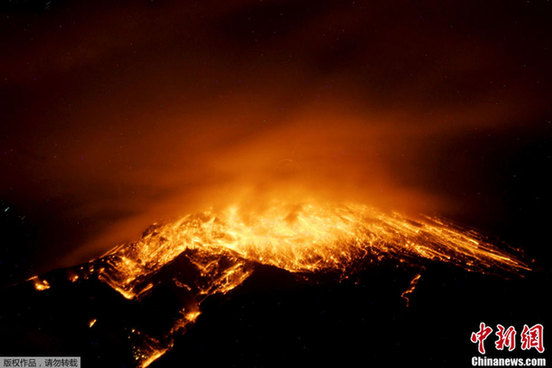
(306, 237)
(220, 250)
(299, 238)
(39, 284)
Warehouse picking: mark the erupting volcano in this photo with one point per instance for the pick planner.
(273, 183)
(219, 250)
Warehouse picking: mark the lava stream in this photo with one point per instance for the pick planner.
(222, 247)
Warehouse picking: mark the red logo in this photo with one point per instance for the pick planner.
(530, 337)
(480, 336)
(506, 338)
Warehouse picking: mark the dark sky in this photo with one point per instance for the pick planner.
(118, 114)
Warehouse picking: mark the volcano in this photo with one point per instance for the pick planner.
(289, 284)
(321, 183)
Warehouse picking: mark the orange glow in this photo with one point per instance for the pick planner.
(152, 358)
(301, 237)
(413, 283)
(149, 349)
(39, 284)
(192, 316)
(262, 133)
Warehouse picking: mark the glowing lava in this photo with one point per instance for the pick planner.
(39, 284)
(308, 237)
(215, 251)
(299, 238)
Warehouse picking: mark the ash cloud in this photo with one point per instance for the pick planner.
(120, 115)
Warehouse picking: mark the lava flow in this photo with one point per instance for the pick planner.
(220, 250)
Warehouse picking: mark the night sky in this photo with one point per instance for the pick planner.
(115, 115)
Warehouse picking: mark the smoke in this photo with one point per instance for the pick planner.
(126, 114)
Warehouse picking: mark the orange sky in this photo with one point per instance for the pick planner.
(119, 115)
